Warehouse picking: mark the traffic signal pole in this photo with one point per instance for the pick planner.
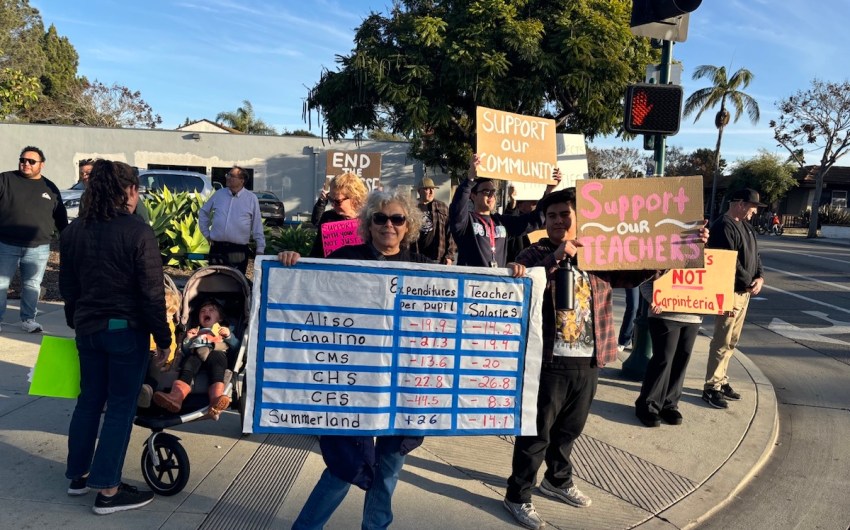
(634, 367)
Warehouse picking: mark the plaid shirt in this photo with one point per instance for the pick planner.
(437, 244)
(541, 254)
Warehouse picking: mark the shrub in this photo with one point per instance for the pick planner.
(174, 219)
(298, 238)
(830, 215)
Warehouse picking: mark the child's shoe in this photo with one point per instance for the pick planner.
(145, 395)
(218, 401)
(173, 400)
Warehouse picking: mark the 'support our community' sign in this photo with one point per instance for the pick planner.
(515, 147)
(708, 290)
(367, 166)
(380, 348)
(645, 223)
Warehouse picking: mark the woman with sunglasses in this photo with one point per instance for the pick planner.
(346, 195)
(389, 224)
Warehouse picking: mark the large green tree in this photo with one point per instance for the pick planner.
(723, 90)
(243, 119)
(817, 119)
(421, 71)
(768, 173)
(60, 69)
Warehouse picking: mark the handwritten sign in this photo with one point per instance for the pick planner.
(337, 234)
(572, 161)
(380, 348)
(367, 166)
(515, 147)
(645, 223)
(709, 290)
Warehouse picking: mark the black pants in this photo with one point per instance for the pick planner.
(563, 404)
(216, 365)
(230, 254)
(672, 343)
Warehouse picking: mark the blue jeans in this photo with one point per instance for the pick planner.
(628, 325)
(112, 367)
(33, 261)
(330, 491)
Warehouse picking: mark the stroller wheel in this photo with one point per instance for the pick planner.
(171, 474)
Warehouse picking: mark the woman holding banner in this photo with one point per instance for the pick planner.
(673, 336)
(389, 223)
(347, 194)
(111, 280)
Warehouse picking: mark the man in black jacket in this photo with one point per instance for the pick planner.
(733, 231)
(31, 210)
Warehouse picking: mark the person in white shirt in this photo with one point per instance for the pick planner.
(229, 219)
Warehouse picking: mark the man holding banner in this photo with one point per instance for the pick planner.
(481, 235)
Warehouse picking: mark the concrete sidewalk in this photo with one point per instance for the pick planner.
(665, 478)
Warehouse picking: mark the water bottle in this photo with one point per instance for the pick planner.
(564, 286)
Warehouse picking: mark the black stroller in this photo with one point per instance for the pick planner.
(165, 463)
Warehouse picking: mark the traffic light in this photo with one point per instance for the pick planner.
(648, 11)
(653, 109)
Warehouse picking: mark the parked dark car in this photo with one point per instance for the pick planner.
(271, 208)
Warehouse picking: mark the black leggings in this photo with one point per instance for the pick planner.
(216, 364)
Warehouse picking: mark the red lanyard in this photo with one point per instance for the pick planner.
(490, 232)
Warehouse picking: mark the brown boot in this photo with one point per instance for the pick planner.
(218, 401)
(173, 400)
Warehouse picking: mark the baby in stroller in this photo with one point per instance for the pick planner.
(205, 346)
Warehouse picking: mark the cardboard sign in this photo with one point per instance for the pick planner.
(367, 166)
(383, 348)
(572, 161)
(57, 369)
(709, 290)
(515, 147)
(338, 234)
(644, 223)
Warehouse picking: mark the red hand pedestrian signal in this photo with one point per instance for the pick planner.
(653, 109)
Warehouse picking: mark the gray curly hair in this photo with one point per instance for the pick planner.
(377, 200)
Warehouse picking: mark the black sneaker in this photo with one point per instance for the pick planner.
(715, 399)
(127, 498)
(78, 487)
(728, 393)
(650, 419)
(671, 416)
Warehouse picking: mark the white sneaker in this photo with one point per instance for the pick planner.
(571, 495)
(525, 514)
(31, 326)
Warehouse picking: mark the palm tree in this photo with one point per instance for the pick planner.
(721, 90)
(243, 119)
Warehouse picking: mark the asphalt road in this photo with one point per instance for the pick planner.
(798, 333)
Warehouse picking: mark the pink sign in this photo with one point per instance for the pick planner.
(338, 234)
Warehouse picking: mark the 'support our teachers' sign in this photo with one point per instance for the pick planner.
(515, 147)
(644, 223)
(708, 290)
(380, 348)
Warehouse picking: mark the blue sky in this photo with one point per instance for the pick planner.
(196, 58)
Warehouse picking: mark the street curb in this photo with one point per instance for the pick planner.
(752, 452)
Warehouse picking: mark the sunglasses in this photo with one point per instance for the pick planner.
(381, 219)
(487, 193)
(338, 202)
(29, 161)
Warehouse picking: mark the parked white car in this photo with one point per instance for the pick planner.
(149, 180)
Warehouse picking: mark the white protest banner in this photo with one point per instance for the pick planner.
(708, 290)
(572, 161)
(382, 348)
(643, 223)
(367, 166)
(515, 147)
